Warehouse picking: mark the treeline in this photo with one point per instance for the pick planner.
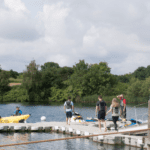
(83, 82)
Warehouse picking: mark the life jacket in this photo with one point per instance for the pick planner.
(115, 111)
(121, 102)
(68, 105)
(102, 106)
(17, 113)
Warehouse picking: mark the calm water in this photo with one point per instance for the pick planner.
(56, 113)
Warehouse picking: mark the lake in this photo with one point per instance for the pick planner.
(56, 113)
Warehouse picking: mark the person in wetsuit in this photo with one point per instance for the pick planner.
(122, 106)
(18, 112)
(101, 107)
(68, 108)
(114, 108)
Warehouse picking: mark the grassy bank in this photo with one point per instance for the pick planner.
(92, 99)
(12, 80)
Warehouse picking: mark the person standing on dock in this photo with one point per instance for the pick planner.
(122, 106)
(101, 107)
(18, 112)
(114, 108)
(68, 107)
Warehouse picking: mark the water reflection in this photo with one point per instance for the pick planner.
(9, 138)
(115, 147)
(73, 144)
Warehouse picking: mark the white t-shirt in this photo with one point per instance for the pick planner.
(115, 111)
(68, 110)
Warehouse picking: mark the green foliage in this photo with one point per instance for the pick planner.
(13, 74)
(32, 81)
(94, 98)
(145, 88)
(4, 81)
(49, 66)
(140, 73)
(120, 88)
(57, 95)
(99, 79)
(16, 94)
(134, 90)
(83, 82)
(147, 71)
(20, 76)
(12, 80)
(78, 79)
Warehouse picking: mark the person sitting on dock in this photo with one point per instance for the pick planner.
(102, 108)
(122, 106)
(114, 108)
(68, 107)
(18, 112)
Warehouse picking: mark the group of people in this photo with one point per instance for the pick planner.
(101, 108)
(117, 109)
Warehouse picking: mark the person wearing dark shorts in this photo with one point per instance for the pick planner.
(68, 107)
(101, 107)
(68, 114)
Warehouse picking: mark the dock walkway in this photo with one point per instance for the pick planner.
(79, 129)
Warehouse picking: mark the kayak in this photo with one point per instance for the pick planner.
(14, 119)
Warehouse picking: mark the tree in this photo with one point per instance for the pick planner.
(49, 66)
(145, 88)
(140, 73)
(134, 90)
(122, 78)
(4, 81)
(91, 79)
(13, 74)
(78, 79)
(32, 81)
(101, 81)
(148, 71)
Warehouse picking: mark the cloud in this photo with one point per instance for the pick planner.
(65, 31)
(131, 63)
(15, 22)
(53, 19)
(16, 5)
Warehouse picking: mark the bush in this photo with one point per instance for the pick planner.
(57, 95)
(16, 94)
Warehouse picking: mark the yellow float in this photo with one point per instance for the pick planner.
(14, 119)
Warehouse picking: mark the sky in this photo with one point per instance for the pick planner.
(67, 31)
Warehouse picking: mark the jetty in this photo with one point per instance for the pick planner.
(125, 136)
(137, 135)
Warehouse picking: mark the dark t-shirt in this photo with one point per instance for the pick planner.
(101, 105)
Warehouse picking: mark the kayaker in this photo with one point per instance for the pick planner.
(18, 112)
(122, 106)
(101, 107)
(114, 108)
(68, 108)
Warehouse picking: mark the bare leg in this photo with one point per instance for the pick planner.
(104, 122)
(66, 120)
(99, 122)
(69, 120)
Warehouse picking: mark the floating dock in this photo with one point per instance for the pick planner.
(85, 129)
